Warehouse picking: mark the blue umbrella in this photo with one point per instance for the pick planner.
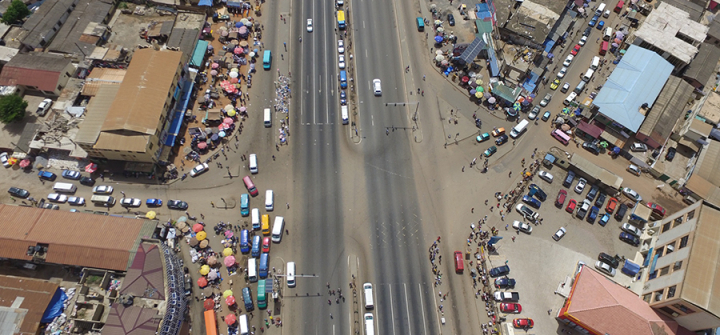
(517, 107)
(472, 91)
(238, 24)
(214, 138)
(438, 39)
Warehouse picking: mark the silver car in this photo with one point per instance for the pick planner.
(59, 198)
(130, 202)
(559, 234)
(632, 194)
(605, 268)
(76, 201)
(522, 226)
(632, 230)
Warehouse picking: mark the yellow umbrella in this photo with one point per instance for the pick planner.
(231, 112)
(204, 270)
(478, 94)
(201, 235)
(151, 215)
(227, 293)
(227, 252)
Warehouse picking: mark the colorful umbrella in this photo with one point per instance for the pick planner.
(231, 112)
(227, 252)
(228, 234)
(201, 236)
(202, 145)
(222, 134)
(480, 89)
(228, 120)
(202, 282)
(212, 260)
(92, 167)
(182, 219)
(478, 94)
(198, 228)
(229, 261)
(215, 65)
(517, 107)
(230, 300)
(203, 244)
(208, 304)
(151, 215)
(227, 293)
(212, 275)
(204, 270)
(193, 241)
(24, 163)
(491, 100)
(230, 319)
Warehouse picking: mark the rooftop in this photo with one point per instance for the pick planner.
(704, 63)
(23, 302)
(102, 76)
(533, 19)
(39, 70)
(711, 109)
(663, 26)
(705, 182)
(146, 272)
(701, 286)
(668, 109)
(68, 39)
(41, 24)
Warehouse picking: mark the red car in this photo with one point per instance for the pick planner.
(266, 244)
(560, 201)
(510, 307)
(523, 323)
(575, 50)
(657, 209)
(571, 206)
(612, 203)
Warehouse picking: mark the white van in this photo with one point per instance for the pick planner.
(595, 63)
(252, 163)
(277, 230)
(344, 114)
(244, 330)
(606, 14)
(104, 200)
(64, 188)
(252, 270)
(588, 75)
(608, 34)
(600, 9)
(367, 292)
(269, 200)
(267, 117)
(570, 98)
(519, 128)
(255, 218)
(290, 277)
(369, 324)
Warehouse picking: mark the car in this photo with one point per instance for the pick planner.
(555, 84)
(535, 110)
(522, 226)
(377, 89)
(545, 116)
(506, 296)
(130, 202)
(546, 176)
(43, 107)
(592, 147)
(499, 271)
(199, 169)
(46, 175)
(584, 208)
(59, 198)
(657, 209)
(593, 214)
(490, 151)
(569, 178)
(511, 307)
(87, 181)
(560, 200)
(580, 185)
(587, 31)
(483, 137)
(534, 190)
(341, 46)
(562, 72)
(568, 60)
(620, 214)
(593, 21)
(600, 25)
(103, 189)
(638, 147)
(18, 192)
(571, 206)
(177, 204)
(600, 200)
(343, 98)
(534, 113)
(4, 159)
(523, 323)
(153, 202)
(266, 244)
(583, 40)
(451, 20)
(605, 268)
(505, 282)
(612, 203)
(341, 61)
(70, 174)
(531, 201)
(501, 140)
(498, 131)
(609, 260)
(309, 25)
(545, 101)
(592, 193)
(559, 234)
(634, 169)
(630, 193)
(670, 154)
(76, 201)
(630, 239)
(604, 219)
(526, 212)
(630, 229)
(575, 50)
(565, 87)
(570, 98)
(48, 205)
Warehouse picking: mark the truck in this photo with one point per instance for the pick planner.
(507, 296)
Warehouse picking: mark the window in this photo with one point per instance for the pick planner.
(669, 311)
(684, 241)
(658, 295)
(653, 275)
(683, 308)
(677, 266)
(670, 248)
(659, 251)
(647, 297)
(678, 220)
(664, 271)
(671, 292)
(690, 215)
(666, 226)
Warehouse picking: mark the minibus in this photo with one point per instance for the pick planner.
(267, 59)
(278, 229)
(250, 186)
(252, 270)
(263, 269)
(244, 204)
(244, 241)
(368, 294)
(560, 136)
(256, 245)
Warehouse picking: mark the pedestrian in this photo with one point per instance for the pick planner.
(288, 205)
(472, 210)
(212, 204)
(463, 168)
(507, 226)
(513, 238)
(549, 311)
(287, 232)
(273, 157)
(486, 201)
(423, 77)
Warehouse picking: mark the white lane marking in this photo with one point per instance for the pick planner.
(372, 119)
(392, 311)
(422, 305)
(407, 308)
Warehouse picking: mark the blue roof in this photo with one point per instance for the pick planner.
(205, 3)
(184, 91)
(637, 79)
(199, 54)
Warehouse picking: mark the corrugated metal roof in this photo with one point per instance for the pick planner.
(701, 286)
(41, 24)
(68, 39)
(95, 114)
(709, 162)
(704, 63)
(667, 110)
(29, 294)
(34, 70)
(145, 272)
(102, 76)
(663, 26)
(126, 142)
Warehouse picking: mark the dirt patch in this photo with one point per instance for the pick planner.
(126, 28)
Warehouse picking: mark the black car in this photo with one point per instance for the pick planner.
(587, 32)
(87, 181)
(177, 204)
(627, 238)
(609, 260)
(534, 190)
(592, 193)
(501, 140)
(620, 214)
(592, 147)
(18, 192)
(569, 179)
(451, 20)
(670, 154)
(505, 282)
(500, 271)
(600, 200)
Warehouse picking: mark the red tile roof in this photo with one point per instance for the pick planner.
(132, 320)
(146, 278)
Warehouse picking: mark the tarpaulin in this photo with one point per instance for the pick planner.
(55, 308)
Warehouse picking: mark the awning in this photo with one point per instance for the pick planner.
(590, 129)
(179, 114)
(235, 4)
(630, 268)
(198, 56)
(208, 3)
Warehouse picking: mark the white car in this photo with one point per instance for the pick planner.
(522, 226)
(580, 185)
(632, 194)
(559, 234)
(76, 201)
(59, 198)
(605, 268)
(130, 202)
(341, 61)
(565, 87)
(200, 169)
(634, 169)
(44, 107)
(533, 114)
(632, 230)
(341, 46)
(103, 189)
(544, 175)
(546, 100)
(583, 40)
(568, 60)
(376, 87)
(4, 159)
(638, 147)
(562, 72)
(309, 25)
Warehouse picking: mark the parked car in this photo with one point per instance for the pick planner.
(533, 114)
(605, 268)
(634, 169)
(502, 139)
(560, 200)
(59, 198)
(670, 154)
(482, 137)
(103, 189)
(620, 214)
(575, 50)
(593, 21)
(153, 202)
(587, 31)
(47, 175)
(593, 214)
(87, 181)
(559, 234)
(544, 102)
(555, 84)
(4, 159)
(609, 260)
(48, 205)
(545, 116)
(604, 219)
(500, 271)
(612, 203)
(490, 151)
(592, 147)
(569, 178)
(565, 87)
(584, 208)
(657, 209)
(497, 132)
(18, 192)
(43, 107)
(600, 25)
(571, 206)
(177, 204)
(70, 174)
(568, 60)
(638, 147)
(522, 226)
(534, 190)
(510, 307)
(600, 200)
(526, 212)
(506, 296)
(524, 323)
(594, 190)
(562, 72)
(627, 238)
(546, 176)
(504, 282)
(130, 202)
(451, 20)
(76, 201)
(580, 185)
(583, 40)
(630, 193)
(200, 169)
(630, 229)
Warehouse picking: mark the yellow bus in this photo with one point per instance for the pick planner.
(341, 19)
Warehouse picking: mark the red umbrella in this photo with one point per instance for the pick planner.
(215, 65)
(230, 300)
(198, 227)
(24, 163)
(228, 120)
(209, 304)
(92, 167)
(465, 79)
(202, 282)
(230, 319)
(202, 145)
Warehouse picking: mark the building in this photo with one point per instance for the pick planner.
(41, 72)
(683, 278)
(40, 28)
(86, 30)
(527, 23)
(700, 71)
(665, 113)
(704, 182)
(23, 301)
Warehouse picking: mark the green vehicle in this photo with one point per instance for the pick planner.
(490, 151)
(483, 137)
(261, 296)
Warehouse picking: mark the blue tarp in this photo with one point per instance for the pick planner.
(179, 114)
(205, 3)
(630, 268)
(234, 4)
(55, 308)
(199, 54)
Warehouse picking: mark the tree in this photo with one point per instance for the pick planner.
(15, 12)
(12, 108)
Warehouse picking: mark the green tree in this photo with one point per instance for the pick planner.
(12, 108)
(15, 12)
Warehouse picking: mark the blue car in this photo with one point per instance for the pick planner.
(600, 25)
(627, 238)
(593, 214)
(593, 21)
(483, 137)
(152, 202)
(47, 175)
(604, 219)
(528, 199)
